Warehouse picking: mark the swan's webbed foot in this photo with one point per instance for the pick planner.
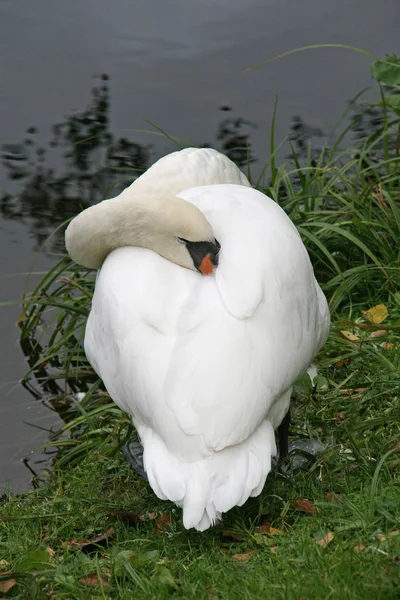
(133, 452)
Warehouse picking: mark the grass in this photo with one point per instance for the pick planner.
(94, 529)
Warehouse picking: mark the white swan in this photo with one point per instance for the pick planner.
(205, 365)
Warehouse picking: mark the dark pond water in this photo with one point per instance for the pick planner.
(174, 63)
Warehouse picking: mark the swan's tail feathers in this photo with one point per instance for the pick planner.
(209, 487)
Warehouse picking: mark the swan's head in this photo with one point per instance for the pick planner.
(179, 231)
(168, 225)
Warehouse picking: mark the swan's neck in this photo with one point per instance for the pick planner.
(144, 220)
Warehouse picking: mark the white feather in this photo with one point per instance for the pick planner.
(205, 365)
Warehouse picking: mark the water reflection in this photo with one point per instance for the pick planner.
(95, 164)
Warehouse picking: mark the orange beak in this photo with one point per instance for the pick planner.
(206, 265)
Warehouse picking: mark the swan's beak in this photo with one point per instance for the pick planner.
(204, 255)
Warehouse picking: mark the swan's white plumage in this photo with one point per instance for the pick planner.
(205, 365)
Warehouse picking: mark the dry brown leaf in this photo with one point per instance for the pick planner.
(305, 506)
(350, 336)
(233, 536)
(378, 333)
(351, 391)
(377, 314)
(359, 548)
(162, 522)
(325, 540)
(345, 361)
(387, 345)
(264, 527)
(92, 579)
(7, 584)
(382, 538)
(395, 445)
(334, 498)
(274, 548)
(339, 416)
(50, 551)
(243, 557)
(76, 544)
(274, 531)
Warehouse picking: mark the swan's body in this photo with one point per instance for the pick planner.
(205, 365)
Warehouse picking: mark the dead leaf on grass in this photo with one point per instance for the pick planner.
(378, 333)
(382, 537)
(377, 314)
(7, 584)
(351, 391)
(350, 336)
(359, 548)
(305, 506)
(162, 522)
(345, 361)
(334, 498)
(92, 579)
(325, 540)
(243, 557)
(266, 528)
(77, 544)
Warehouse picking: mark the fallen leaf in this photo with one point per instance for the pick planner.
(126, 516)
(165, 576)
(305, 506)
(382, 538)
(162, 522)
(77, 544)
(274, 531)
(387, 345)
(264, 527)
(50, 552)
(233, 536)
(243, 557)
(151, 515)
(334, 498)
(350, 336)
(351, 391)
(326, 539)
(359, 548)
(395, 445)
(92, 579)
(339, 416)
(377, 314)
(274, 548)
(378, 333)
(7, 584)
(395, 532)
(345, 361)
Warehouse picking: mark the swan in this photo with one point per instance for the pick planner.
(205, 312)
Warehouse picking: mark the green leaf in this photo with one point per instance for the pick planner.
(35, 560)
(165, 576)
(123, 557)
(387, 72)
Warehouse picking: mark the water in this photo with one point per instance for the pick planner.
(176, 64)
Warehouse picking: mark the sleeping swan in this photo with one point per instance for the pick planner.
(205, 313)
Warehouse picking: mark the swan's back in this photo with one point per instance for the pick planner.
(205, 365)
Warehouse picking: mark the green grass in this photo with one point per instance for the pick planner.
(52, 540)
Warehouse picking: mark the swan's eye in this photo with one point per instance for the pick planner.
(180, 240)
